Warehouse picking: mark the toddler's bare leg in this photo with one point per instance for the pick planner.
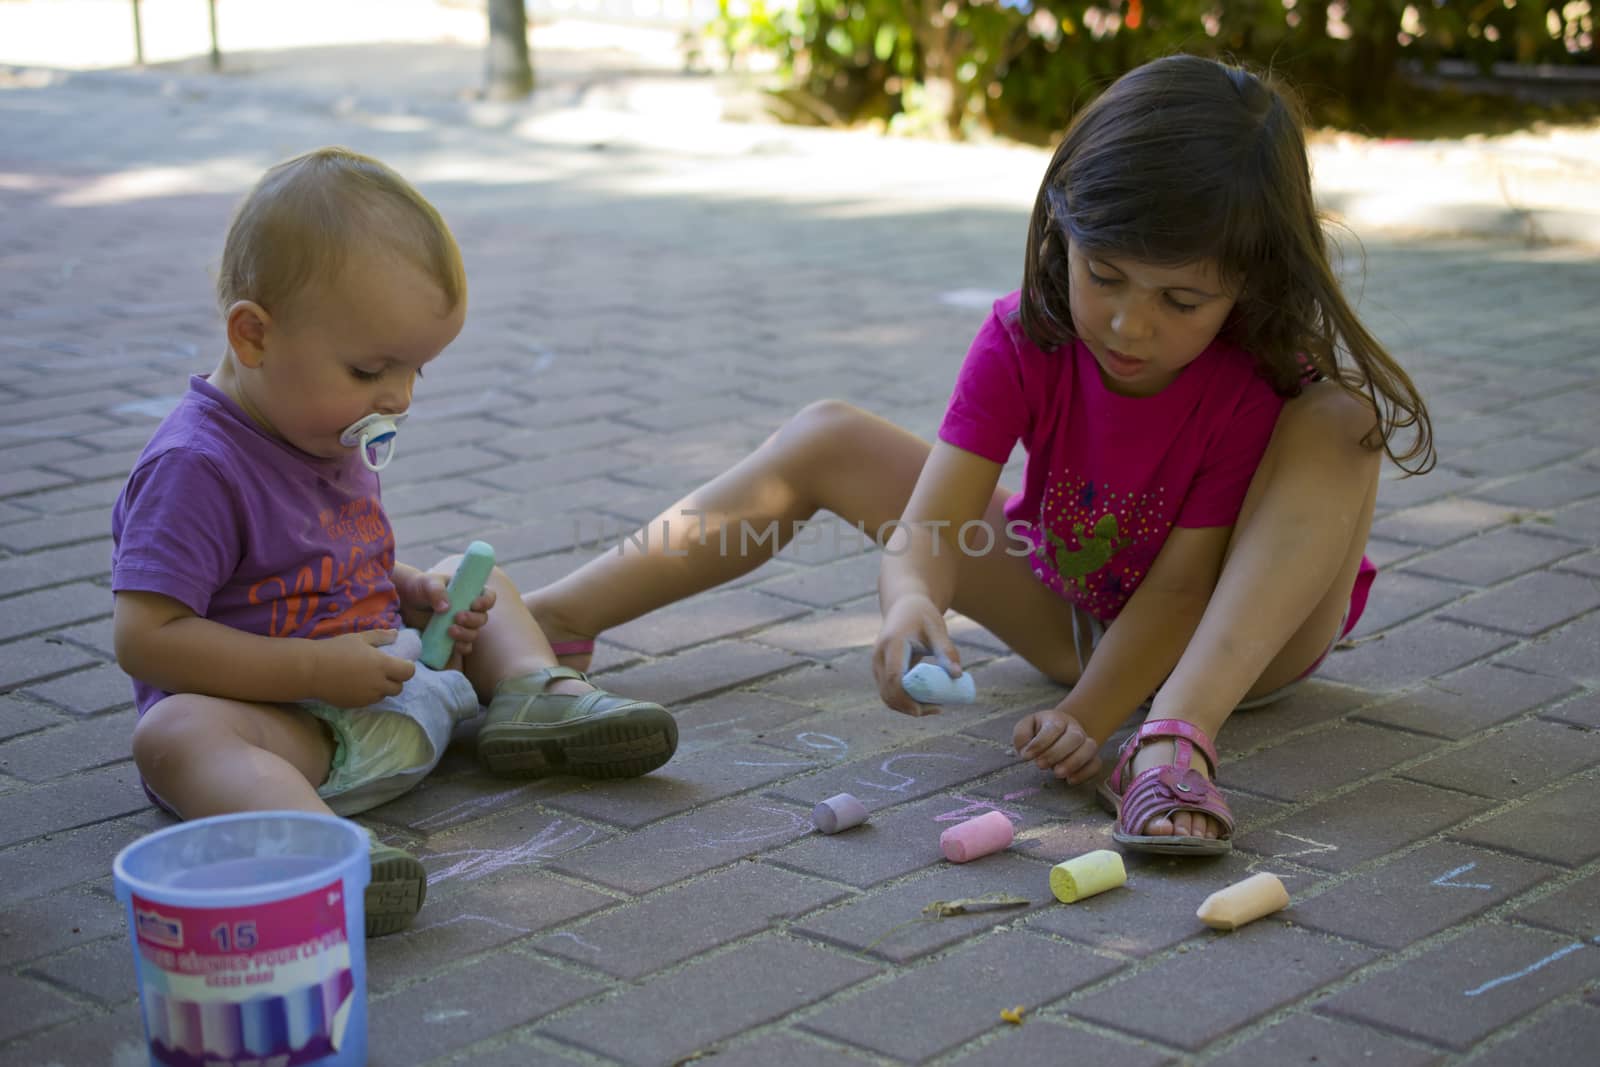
(210, 756)
(510, 643)
(1286, 580)
(829, 457)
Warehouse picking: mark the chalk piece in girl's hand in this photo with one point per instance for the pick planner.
(838, 813)
(968, 840)
(928, 683)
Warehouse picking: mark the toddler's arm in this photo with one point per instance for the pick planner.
(160, 641)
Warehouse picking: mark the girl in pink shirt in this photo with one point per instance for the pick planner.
(1204, 418)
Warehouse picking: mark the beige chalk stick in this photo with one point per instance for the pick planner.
(1088, 874)
(1243, 902)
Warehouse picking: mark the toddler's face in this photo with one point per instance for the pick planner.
(1144, 323)
(348, 349)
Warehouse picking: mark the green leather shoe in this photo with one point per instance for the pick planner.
(530, 733)
(395, 894)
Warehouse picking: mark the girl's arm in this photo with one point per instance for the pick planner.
(1148, 637)
(917, 579)
(161, 642)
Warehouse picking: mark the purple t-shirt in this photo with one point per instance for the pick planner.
(247, 530)
(1107, 476)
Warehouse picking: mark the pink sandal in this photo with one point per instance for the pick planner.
(1165, 791)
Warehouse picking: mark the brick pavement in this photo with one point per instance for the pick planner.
(642, 315)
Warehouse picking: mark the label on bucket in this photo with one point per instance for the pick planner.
(258, 984)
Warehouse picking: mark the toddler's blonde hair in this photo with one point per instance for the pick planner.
(300, 222)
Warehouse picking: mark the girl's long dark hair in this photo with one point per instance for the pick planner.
(1185, 159)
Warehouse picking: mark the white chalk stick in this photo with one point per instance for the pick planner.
(838, 813)
(929, 683)
(1088, 874)
(1243, 902)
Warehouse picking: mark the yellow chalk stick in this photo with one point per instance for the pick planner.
(1086, 875)
(1243, 902)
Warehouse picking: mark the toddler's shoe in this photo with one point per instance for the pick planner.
(395, 894)
(530, 733)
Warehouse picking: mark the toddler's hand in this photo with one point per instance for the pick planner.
(350, 671)
(1055, 742)
(912, 623)
(423, 594)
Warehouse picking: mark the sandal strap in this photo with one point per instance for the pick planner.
(1183, 734)
(1167, 790)
(543, 677)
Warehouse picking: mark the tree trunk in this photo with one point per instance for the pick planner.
(510, 72)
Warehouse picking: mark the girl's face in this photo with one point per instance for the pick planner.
(1144, 323)
(344, 350)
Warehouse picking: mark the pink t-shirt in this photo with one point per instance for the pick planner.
(1107, 476)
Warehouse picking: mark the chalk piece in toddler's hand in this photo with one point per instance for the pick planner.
(838, 813)
(1243, 902)
(928, 683)
(989, 832)
(1088, 874)
(465, 587)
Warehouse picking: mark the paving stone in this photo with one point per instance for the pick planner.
(1514, 455)
(38, 657)
(1575, 522)
(1587, 564)
(56, 922)
(90, 692)
(1567, 653)
(889, 922)
(477, 1001)
(1043, 1040)
(1156, 907)
(1411, 653)
(1027, 787)
(1544, 489)
(734, 717)
(104, 793)
(47, 754)
(1568, 1034)
(441, 803)
(1570, 910)
(859, 733)
(644, 937)
(96, 636)
(1459, 992)
(1400, 595)
(1273, 967)
(1362, 824)
(1389, 554)
(31, 1005)
(921, 1014)
(103, 971)
(830, 584)
(689, 844)
(698, 673)
(1404, 900)
(1556, 827)
(1315, 701)
(841, 684)
(701, 619)
(1530, 604)
(1459, 705)
(46, 609)
(512, 841)
(1309, 764)
(1396, 493)
(786, 1048)
(1442, 521)
(1312, 1041)
(684, 783)
(665, 1019)
(20, 717)
(830, 633)
(907, 773)
(37, 570)
(1494, 557)
(1512, 762)
(55, 530)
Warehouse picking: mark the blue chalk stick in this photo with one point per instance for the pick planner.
(928, 683)
(465, 586)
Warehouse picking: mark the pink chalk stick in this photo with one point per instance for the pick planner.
(989, 832)
(838, 813)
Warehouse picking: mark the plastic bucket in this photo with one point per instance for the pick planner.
(249, 939)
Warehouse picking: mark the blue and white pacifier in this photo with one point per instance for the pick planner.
(373, 435)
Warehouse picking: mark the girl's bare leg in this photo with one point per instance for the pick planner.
(1286, 578)
(829, 457)
(210, 756)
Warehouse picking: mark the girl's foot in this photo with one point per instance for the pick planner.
(1183, 823)
(572, 648)
(1162, 794)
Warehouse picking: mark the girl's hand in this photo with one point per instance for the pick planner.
(911, 625)
(424, 594)
(351, 671)
(1055, 742)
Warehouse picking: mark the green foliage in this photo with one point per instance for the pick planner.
(1023, 66)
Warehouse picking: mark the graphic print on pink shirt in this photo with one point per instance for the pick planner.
(1094, 545)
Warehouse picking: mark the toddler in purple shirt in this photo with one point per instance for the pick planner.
(258, 600)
